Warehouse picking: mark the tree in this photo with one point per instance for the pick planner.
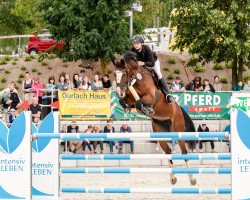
(90, 29)
(216, 30)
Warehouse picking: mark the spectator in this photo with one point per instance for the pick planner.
(85, 85)
(177, 85)
(207, 87)
(86, 142)
(68, 81)
(73, 128)
(126, 129)
(35, 109)
(37, 89)
(76, 82)
(110, 129)
(204, 128)
(82, 75)
(195, 85)
(27, 87)
(97, 129)
(238, 87)
(106, 83)
(96, 84)
(11, 117)
(62, 85)
(50, 86)
(217, 85)
(10, 98)
(246, 87)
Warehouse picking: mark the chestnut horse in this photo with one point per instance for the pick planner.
(165, 117)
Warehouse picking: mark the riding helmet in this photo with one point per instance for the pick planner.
(137, 39)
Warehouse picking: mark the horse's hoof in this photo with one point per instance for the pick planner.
(173, 180)
(193, 181)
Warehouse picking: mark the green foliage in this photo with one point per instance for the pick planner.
(215, 30)
(218, 66)
(14, 63)
(7, 71)
(170, 76)
(3, 80)
(42, 56)
(193, 61)
(15, 59)
(19, 80)
(21, 76)
(224, 80)
(177, 71)
(3, 62)
(27, 58)
(229, 65)
(166, 68)
(245, 68)
(7, 58)
(44, 63)
(172, 60)
(34, 70)
(23, 68)
(199, 68)
(91, 30)
(1, 88)
(246, 77)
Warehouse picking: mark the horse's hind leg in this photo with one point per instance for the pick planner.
(184, 151)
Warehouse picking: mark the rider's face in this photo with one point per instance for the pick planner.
(137, 46)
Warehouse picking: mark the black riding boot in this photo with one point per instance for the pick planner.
(164, 87)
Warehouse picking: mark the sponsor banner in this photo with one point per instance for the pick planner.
(84, 105)
(240, 134)
(205, 105)
(199, 105)
(15, 158)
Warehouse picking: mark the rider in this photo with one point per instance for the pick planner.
(148, 58)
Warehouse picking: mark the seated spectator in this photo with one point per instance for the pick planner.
(217, 85)
(73, 128)
(82, 75)
(106, 83)
(207, 87)
(110, 129)
(126, 129)
(76, 82)
(37, 89)
(11, 117)
(246, 87)
(85, 85)
(97, 129)
(35, 109)
(62, 85)
(27, 87)
(177, 85)
(203, 128)
(86, 142)
(238, 87)
(96, 83)
(195, 85)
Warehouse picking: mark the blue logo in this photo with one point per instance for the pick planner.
(47, 126)
(242, 124)
(10, 139)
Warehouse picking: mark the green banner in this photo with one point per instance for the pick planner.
(242, 103)
(199, 105)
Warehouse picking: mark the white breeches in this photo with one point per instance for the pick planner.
(157, 69)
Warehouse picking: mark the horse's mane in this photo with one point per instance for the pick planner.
(129, 55)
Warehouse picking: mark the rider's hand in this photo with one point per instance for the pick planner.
(141, 63)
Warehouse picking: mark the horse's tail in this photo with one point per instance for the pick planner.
(189, 124)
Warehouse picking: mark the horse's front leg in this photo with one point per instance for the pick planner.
(144, 105)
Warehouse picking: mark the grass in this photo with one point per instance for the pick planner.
(28, 58)
(166, 68)
(170, 76)
(21, 76)
(177, 71)
(224, 80)
(23, 68)
(14, 63)
(245, 68)
(229, 65)
(3, 62)
(172, 60)
(16, 59)
(199, 68)
(3, 80)
(193, 61)
(218, 66)
(2, 88)
(7, 71)
(7, 58)
(34, 70)
(19, 80)
(44, 63)
(246, 77)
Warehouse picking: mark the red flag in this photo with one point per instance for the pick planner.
(25, 105)
(55, 104)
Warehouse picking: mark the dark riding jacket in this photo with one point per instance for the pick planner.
(145, 55)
